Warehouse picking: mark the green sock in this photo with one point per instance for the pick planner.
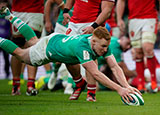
(23, 28)
(46, 79)
(56, 67)
(7, 45)
(21, 76)
(70, 80)
(48, 73)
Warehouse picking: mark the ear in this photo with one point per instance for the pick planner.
(93, 41)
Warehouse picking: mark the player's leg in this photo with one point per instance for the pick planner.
(91, 87)
(78, 79)
(148, 40)
(23, 28)
(135, 26)
(53, 77)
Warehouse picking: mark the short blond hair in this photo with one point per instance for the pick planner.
(102, 32)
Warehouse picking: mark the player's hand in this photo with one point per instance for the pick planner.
(133, 90)
(124, 93)
(121, 26)
(48, 27)
(66, 18)
(88, 30)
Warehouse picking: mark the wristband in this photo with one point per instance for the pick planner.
(94, 25)
(66, 10)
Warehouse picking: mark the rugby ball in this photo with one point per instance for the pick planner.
(137, 100)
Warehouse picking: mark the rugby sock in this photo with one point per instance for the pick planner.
(16, 82)
(56, 67)
(140, 71)
(21, 76)
(23, 28)
(48, 73)
(79, 81)
(70, 80)
(30, 82)
(7, 45)
(151, 64)
(157, 63)
(91, 88)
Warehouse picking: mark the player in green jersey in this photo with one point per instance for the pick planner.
(71, 50)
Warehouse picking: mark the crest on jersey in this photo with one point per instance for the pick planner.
(86, 55)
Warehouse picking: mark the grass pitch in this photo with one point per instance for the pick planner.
(56, 103)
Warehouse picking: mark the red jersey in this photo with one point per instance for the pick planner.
(31, 6)
(86, 11)
(142, 9)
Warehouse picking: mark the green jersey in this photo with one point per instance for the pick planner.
(71, 49)
(116, 51)
(60, 17)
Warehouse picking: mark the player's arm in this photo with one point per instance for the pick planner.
(69, 4)
(47, 12)
(120, 11)
(117, 71)
(92, 68)
(126, 71)
(106, 8)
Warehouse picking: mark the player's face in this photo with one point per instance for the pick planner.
(100, 46)
(126, 44)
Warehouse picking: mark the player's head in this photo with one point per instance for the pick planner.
(100, 40)
(125, 43)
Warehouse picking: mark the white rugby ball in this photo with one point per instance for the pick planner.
(137, 100)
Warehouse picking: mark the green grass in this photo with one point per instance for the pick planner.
(56, 103)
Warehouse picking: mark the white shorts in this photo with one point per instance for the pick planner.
(34, 20)
(60, 29)
(37, 52)
(76, 28)
(142, 30)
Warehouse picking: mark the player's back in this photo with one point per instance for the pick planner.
(64, 48)
(85, 11)
(32, 6)
(142, 9)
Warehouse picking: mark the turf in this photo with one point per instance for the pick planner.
(56, 103)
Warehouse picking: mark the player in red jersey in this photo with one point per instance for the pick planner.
(87, 15)
(30, 12)
(142, 31)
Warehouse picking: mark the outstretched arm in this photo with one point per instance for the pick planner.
(92, 68)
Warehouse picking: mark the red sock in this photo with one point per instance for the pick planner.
(157, 63)
(16, 81)
(140, 71)
(79, 81)
(91, 88)
(151, 64)
(31, 82)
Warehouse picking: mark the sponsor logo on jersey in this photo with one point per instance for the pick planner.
(50, 53)
(86, 55)
(85, 1)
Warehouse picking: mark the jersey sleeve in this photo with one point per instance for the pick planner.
(84, 55)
